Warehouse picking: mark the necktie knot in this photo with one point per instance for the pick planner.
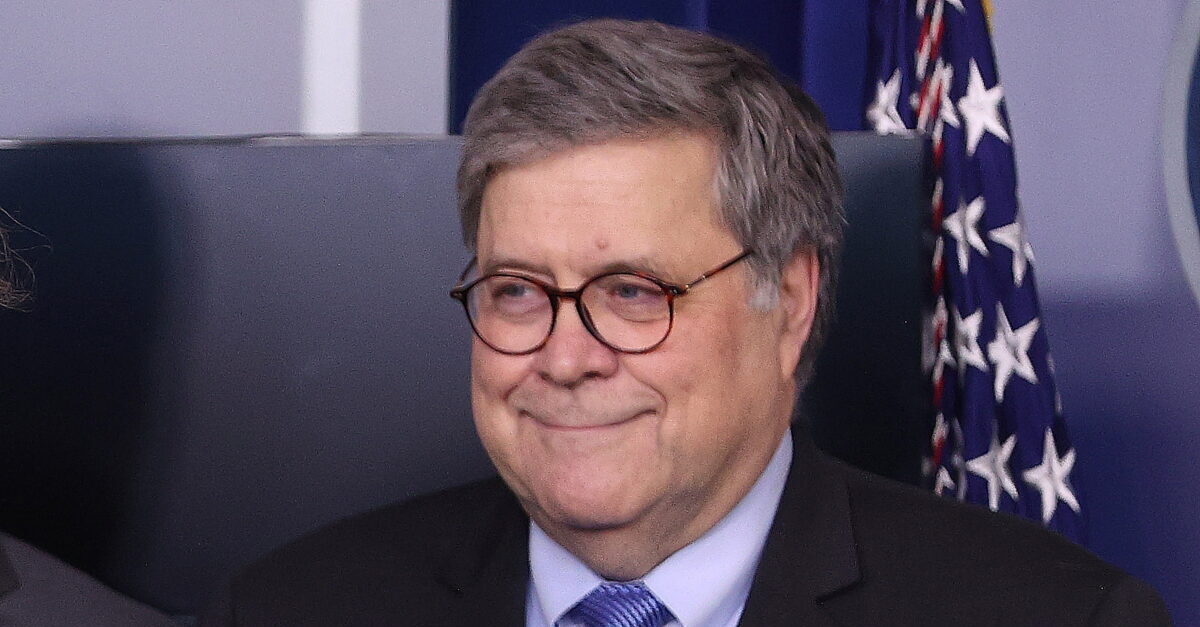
(616, 604)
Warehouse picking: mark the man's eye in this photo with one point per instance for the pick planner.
(511, 297)
(633, 291)
(631, 297)
(512, 290)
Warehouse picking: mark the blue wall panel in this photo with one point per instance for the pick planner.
(822, 44)
(485, 33)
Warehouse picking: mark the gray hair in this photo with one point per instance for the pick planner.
(777, 182)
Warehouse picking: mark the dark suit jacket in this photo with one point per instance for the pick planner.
(38, 590)
(846, 548)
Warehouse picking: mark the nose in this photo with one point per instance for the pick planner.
(572, 355)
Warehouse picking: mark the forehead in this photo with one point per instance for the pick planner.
(652, 200)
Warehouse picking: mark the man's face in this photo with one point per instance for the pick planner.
(593, 439)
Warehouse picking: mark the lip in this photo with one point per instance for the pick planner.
(584, 428)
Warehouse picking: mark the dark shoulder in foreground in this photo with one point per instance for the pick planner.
(396, 561)
(973, 566)
(37, 588)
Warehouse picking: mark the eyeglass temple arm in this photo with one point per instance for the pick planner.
(457, 291)
(684, 288)
(467, 270)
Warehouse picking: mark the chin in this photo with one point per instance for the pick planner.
(590, 521)
(593, 509)
(581, 519)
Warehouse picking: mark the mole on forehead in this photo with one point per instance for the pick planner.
(601, 243)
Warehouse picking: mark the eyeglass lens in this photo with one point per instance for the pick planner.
(515, 315)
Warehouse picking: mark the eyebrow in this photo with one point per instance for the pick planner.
(642, 264)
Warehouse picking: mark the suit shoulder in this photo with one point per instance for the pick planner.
(370, 568)
(43, 590)
(409, 529)
(906, 534)
(972, 535)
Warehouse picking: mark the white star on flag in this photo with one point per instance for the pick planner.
(942, 479)
(980, 107)
(958, 5)
(945, 358)
(925, 46)
(883, 113)
(946, 112)
(993, 467)
(942, 483)
(963, 226)
(966, 335)
(1009, 352)
(945, 481)
(939, 244)
(941, 429)
(935, 329)
(1012, 236)
(1052, 479)
(937, 323)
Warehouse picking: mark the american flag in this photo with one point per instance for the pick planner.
(999, 436)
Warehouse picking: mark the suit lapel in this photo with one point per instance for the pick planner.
(489, 574)
(810, 552)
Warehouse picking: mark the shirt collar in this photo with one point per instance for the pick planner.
(704, 583)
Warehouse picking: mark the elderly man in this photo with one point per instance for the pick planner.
(656, 220)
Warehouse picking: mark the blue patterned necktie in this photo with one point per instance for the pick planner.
(620, 605)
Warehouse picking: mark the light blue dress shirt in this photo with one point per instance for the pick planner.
(704, 584)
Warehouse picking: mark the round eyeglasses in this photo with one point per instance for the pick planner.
(629, 312)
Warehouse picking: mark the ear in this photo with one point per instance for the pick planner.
(798, 305)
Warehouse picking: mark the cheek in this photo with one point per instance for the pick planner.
(493, 377)
(717, 378)
(693, 373)
(709, 351)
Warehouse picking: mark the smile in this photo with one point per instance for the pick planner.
(559, 422)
